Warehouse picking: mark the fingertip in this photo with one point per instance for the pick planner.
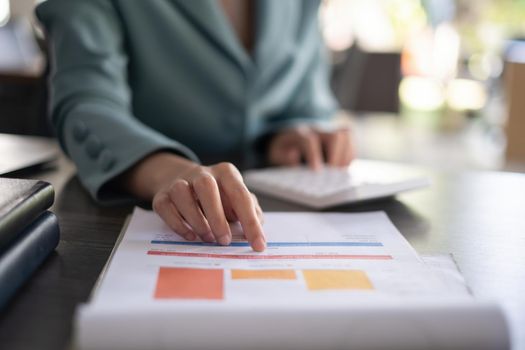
(208, 237)
(226, 237)
(315, 166)
(293, 157)
(259, 245)
(190, 237)
(352, 158)
(224, 240)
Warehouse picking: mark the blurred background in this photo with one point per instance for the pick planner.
(434, 82)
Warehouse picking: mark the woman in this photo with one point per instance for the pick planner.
(146, 92)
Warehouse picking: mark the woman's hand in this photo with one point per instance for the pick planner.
(291, 146)
(198, 201)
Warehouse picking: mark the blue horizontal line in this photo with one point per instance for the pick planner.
(277, 244)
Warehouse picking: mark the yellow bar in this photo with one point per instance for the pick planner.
(263, 275)
(336, 279)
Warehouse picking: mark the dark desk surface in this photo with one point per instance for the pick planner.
(479, 217)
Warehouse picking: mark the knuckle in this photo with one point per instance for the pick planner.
(179, 185)
(346, 129)
(226, 167)
(159, 201)
(238, 191)
(303, 130)
(204, 181)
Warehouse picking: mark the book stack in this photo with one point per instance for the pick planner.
(28, 231)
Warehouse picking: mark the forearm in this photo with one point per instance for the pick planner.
(152, 173)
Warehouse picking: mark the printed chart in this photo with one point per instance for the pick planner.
(209, 284)
(310, 257)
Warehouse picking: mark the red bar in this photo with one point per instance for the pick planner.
(267, 257)
(187, 283)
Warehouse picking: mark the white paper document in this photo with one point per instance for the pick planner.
(326, 280)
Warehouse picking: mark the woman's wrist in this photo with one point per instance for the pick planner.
(153, 172)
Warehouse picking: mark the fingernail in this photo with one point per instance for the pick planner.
(190, 237)
(208, 237)
(259, 244)
(224, 240)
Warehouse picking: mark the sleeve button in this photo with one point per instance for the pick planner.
(107, 160)
(93, 147)
(80, 131)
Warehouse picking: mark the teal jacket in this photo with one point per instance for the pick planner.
(131, 77)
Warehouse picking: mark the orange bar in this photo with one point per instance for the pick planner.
(336, 279)
(263, 275)
(187, 283)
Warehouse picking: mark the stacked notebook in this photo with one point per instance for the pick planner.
(28, 231)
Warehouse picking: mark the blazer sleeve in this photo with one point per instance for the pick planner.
(91, 99)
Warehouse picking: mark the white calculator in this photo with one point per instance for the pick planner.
(362, 180)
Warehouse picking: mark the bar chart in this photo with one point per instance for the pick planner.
(212, 284)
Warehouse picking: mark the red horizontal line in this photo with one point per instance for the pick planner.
(265, 257)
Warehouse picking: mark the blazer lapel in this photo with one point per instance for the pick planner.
(208, 18)
(272, 16)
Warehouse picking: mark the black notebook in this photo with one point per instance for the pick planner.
(20, 258)
(21, 202)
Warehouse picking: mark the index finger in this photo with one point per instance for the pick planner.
(311, 146)
(244, 207)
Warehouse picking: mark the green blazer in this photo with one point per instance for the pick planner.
(133, 77)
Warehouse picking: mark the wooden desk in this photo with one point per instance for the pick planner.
(479, 217)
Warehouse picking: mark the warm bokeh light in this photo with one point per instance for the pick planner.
(485, 66)
(429, 94)
(424, 94)
(432, 53)
(347, 21)
(465, 95)
(337, 29)
(445, 54)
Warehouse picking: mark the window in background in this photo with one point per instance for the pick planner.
(23, 93)
(452, 61)
(451, 49)
(4, 12)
